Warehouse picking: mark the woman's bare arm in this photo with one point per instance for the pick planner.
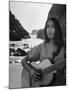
(24, 63)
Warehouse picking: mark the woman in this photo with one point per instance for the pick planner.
(52, 49)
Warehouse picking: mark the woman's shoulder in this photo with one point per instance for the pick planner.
(42, 44)
(38, 47)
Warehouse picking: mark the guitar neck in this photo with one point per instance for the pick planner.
(56, 66)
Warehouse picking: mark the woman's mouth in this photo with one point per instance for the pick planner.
(50, 35)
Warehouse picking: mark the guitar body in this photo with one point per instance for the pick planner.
(48, 70)
(46, 78)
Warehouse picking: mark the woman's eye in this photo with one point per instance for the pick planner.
(50, 26)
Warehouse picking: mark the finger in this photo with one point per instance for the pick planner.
(40, 74)
(37, 74)
(35, 77)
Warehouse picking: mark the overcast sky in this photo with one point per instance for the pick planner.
(32, 16)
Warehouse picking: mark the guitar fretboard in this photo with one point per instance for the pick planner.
(53, 67)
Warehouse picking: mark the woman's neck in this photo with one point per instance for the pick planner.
(51, 41)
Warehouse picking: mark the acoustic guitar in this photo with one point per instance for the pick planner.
(48, 70)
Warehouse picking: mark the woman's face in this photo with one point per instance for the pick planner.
(50, 29)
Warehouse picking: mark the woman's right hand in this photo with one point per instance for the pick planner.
(34, 75)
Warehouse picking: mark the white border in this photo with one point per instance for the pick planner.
(4, 42)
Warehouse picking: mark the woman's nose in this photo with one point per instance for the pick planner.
(49, 29)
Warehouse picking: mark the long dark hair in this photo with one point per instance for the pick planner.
(58, 37)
